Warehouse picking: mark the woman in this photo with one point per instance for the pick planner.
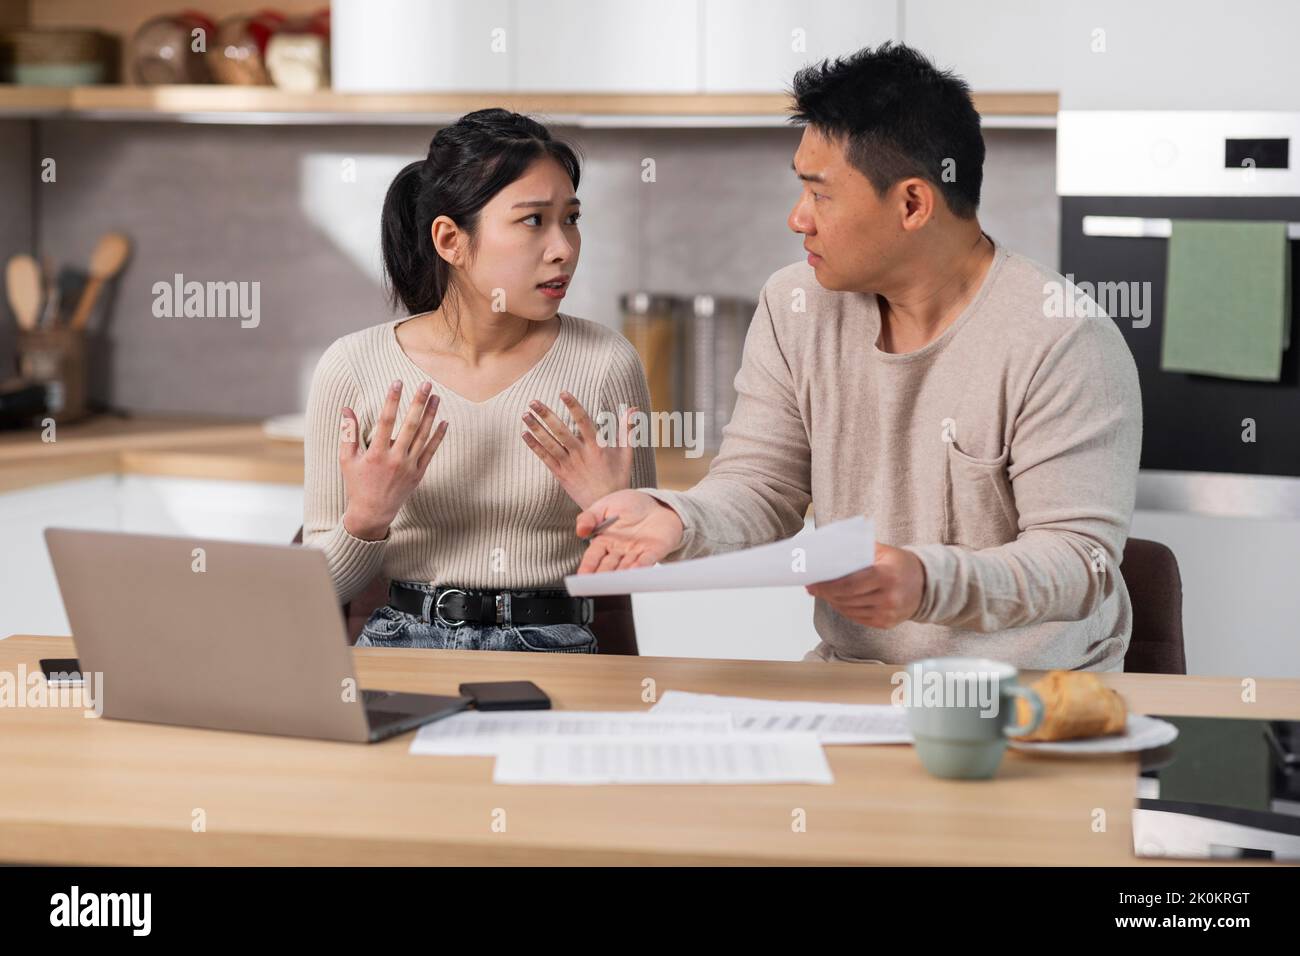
(472, 520)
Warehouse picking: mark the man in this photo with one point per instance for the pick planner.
(910, 371)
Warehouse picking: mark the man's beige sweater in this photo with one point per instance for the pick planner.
(1004, 454)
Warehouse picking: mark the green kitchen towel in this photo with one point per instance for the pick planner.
(1227, 299)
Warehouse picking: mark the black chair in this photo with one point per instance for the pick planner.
(1156, 588)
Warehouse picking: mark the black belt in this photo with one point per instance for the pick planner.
(454, 606)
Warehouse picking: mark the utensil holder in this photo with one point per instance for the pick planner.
(57, 358)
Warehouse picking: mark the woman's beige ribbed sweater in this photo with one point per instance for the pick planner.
(488, 513)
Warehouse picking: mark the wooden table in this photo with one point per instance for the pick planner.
(88, 791)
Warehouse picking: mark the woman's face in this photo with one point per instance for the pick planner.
(527, 236)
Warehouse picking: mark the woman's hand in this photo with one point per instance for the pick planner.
(586, 470)
(378, 480)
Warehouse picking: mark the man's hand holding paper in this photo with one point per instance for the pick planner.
(824, 554)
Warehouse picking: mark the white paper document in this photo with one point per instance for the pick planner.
(822, 554)
(483, 733)
(831, 723)
(715, 758)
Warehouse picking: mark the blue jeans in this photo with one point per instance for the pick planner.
(389, 627)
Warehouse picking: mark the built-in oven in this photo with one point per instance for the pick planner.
(1122, 178)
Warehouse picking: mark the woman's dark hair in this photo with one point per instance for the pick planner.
(468, 163)
(898, 116)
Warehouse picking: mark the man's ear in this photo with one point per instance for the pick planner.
(448, 239)
(919, 200)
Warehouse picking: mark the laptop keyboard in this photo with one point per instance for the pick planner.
(379, 719)
(372, 696)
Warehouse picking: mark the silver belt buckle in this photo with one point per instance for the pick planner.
(437, 607)
(503, 609)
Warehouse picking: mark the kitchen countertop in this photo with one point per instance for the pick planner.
(231, 449)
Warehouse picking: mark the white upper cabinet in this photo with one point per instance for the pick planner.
(755, 46)
(594, 46)
(1181, 55)
(421, 46)
(1102, 54)
(997, 46)
(1119, 54)
(607, 46)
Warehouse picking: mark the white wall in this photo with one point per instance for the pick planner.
(1241, 590)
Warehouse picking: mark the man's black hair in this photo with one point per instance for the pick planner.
(898, 116)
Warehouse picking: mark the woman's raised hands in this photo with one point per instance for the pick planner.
(586, 469)
(378, 480)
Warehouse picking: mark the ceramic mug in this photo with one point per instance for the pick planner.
(961, 710)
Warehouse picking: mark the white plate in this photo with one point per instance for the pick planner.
(1140, 733)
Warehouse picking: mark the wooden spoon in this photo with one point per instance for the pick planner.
(23, 282)
(50, 310)
(105, 262)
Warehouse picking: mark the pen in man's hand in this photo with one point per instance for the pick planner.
(599, 528)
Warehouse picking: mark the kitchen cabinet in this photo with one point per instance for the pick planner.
(1116, 54)
(758, 45)
(614, 46)
(676, 47)
(408, 46)
(1007, 46)
(1180, 55)
(1240, 601)
(30, 602)
(29, 594)
(581, 46)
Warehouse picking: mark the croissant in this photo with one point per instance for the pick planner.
(1075, 704)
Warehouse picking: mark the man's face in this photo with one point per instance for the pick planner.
(848, 230)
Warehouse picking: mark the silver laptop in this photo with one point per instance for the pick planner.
(222, 634)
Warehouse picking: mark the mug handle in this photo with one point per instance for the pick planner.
(1030, 696)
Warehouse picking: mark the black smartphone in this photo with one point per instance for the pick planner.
(506, 695)
(61, 670)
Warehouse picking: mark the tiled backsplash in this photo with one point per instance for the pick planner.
(296, 209)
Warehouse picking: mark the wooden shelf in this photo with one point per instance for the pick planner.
(255, 104)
